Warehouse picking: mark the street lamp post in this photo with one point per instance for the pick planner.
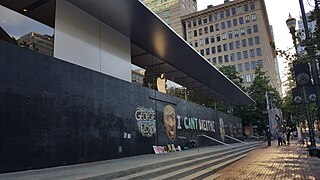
(291, 23)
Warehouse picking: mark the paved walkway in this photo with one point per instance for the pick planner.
(275, 162)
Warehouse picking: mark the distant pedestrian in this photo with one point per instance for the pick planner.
(288, 137)
(268, 135)
(284, 137)
(279, 139)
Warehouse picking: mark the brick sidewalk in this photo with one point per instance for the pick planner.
(275, 162)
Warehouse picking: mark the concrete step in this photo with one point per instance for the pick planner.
(172, 161)
(202, 170)
(187, 167)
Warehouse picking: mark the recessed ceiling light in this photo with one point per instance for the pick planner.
(25, 10)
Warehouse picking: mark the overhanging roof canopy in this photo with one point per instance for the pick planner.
(156, 45)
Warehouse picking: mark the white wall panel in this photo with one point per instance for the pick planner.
(115, 53)
(83, 40)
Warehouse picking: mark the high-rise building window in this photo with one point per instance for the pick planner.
(253, 17)
(194, 23)
(259, 52)
(221, 14)
(230, 34)
(255, 28)
(252, 54)
(220, 59)
(205, 30)
(199, 21)
(246, 8)
(207, 51)
(239, 56)
(235, 22)
(201, 42)
(225, 47)
(218, 37)
(224, 36)
(213, 50)
(236, 33)
(246, 66)
(240, 10)
(191, 44)
(227, 12)
(232, 58)
(217, 27)
(249, 31)
(253, 76)
(205, 20)
(245, 54)
(229, 23)
(165, 13)
(189, 24)
(196, 43)
(219, 48)
(253, 65)
(210, 18)
(250, 41)
(233, 11)
(216, 16)
(214, 60)
(248, 78)
(202, 52)
(237, 44)
(223, 25)
(211, 28)
(242, 31)
(200, 31)
(252, 6)
(244, 42)
(240, 20)
(212, 39)
(190, 34)
(231, 46)
(195, 33)
(206, 40)
(240, 69)
(257, 40)
(260, 63)
(226, 58)
(247, 18)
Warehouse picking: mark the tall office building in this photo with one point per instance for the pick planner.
(170, 11)
(312, 25)
(37, 42)
(234, 33)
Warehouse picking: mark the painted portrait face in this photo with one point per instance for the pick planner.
(170, 122)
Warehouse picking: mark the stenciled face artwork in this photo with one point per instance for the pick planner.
(169, 118)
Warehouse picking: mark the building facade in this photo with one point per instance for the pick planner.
(170, 11)
(235, 33)
(37, 42)
(301, 31)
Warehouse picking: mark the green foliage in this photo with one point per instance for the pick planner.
(232, 74)
(257, 115)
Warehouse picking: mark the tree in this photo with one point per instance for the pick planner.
(232, 74)
(256, 114)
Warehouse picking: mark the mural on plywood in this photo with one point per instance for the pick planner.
(169, 120)
(146, 121)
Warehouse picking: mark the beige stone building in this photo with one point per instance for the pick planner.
(170, 11)
(235, 33)
(37, 42)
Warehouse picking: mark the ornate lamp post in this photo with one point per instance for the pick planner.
(291, 23)
(302, 80)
